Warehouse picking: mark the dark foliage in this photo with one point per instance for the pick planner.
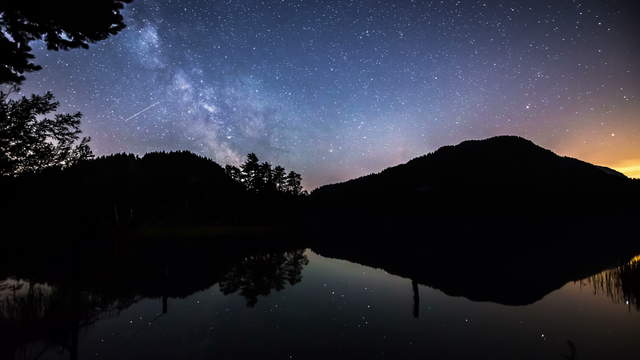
(124, 190)
(61, 24)
(31, 140)
(262, 178)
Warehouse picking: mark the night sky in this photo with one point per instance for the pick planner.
(338, 89)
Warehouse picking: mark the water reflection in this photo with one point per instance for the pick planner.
(416, 299)
(621, 285)
(49, 317)
(259, 274)
(38, 318)
(329, 304)
(481, 274)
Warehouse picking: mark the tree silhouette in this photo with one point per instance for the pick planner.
(294, 183)
(278, 177)
(265, 175)
(263, 178)
(249, 171)
(30, 141)
(233, 172)
(62, 24)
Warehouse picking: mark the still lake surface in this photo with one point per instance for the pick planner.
(319, 307)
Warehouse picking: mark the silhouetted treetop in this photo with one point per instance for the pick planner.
(31, 140)
(293, 183)
(61, 24)
(263, 178)
(278, 177)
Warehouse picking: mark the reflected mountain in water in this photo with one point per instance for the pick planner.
(520, 281)
(47, 317)
(463, 258)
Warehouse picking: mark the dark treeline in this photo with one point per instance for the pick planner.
(125, 191)
(504, 176)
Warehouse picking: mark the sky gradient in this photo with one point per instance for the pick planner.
(339, 89)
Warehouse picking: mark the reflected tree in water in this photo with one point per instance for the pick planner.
(572, 351)
(257, 275)
(621, 284)
(416, 298)
(37, 319)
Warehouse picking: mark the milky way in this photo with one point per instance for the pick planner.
(337, 89)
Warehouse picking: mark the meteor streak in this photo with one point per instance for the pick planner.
(141, 111)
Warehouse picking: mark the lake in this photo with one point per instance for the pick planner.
(301, 305)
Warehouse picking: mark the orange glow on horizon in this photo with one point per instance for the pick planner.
(598, 145)
(632, 171)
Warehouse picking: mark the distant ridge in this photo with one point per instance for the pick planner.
(497, 170)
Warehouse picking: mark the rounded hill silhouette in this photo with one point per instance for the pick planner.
(492, 173)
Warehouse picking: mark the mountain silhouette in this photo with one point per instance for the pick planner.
(494, 173)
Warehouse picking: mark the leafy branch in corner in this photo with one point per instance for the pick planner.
(32, 140)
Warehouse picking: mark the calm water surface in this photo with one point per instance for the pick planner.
(328, 308)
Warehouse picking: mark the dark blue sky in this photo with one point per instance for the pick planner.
(337, 89)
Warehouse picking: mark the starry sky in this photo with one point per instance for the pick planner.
(339, 89)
